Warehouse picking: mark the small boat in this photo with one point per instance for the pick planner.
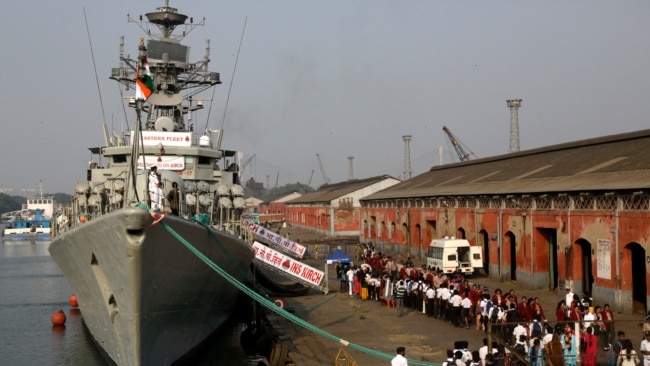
(28, 225)
(33, 221)
(157, 223)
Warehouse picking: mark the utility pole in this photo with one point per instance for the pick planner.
(514, 105)
(407, 156)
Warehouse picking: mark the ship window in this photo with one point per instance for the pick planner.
(205, 160)
(189, 160)
(119, 158)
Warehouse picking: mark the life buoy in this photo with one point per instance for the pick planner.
(279, 302)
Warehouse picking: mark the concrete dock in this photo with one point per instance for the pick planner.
(373, 325)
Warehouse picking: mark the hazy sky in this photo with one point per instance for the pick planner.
(337, 78)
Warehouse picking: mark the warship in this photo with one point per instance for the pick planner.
(155, 196)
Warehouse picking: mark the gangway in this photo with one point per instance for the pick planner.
(288, 267)
(275, 241)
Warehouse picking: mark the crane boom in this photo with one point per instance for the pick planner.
(322, 170)
(458, 146)
(310, 177)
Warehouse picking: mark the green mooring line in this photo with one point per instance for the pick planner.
(269, 304)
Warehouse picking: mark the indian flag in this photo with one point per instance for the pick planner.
(144, 83)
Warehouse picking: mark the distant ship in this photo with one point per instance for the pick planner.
(33, 221)
(145, 297)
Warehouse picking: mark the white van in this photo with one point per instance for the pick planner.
(451, 254)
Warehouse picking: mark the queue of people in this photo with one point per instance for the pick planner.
(581, 328)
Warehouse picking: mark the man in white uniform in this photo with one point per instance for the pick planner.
(399, 359)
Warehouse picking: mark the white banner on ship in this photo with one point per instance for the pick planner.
(162, 162)
(287, 264)
(165, 138)
(274, 238)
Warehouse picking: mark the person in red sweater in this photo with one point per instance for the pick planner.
(608, 319)
(560, 312)
(575, 315)
(522, 309)
(497, 298)
(537, 309)
(513, 297)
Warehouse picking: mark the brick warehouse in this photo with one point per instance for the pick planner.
(575, 214)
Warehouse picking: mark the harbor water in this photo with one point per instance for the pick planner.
(32, 288)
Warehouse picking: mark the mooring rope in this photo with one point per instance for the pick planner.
(271, 305)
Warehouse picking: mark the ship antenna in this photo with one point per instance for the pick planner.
(232, 78)
(92, 54)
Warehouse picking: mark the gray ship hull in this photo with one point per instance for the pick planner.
(145, 298)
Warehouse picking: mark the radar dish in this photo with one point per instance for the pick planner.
(82, 200)
(94, 200)
(203, 186)
(237, 190)
(98, 187)
(225, 202)
(119, 184)
(164, 124)
(190, 187)
(190, 200)
(205, 200)
(223, 190)
(82, 187)
(239, 202)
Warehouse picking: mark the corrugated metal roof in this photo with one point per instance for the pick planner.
(330, 192)
(617, 162)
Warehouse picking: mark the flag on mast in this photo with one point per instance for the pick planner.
(144, 83)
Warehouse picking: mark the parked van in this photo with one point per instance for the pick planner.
(450, 255)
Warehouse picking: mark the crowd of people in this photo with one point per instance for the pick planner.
(580, 328)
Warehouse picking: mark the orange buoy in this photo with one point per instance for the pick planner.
(279, 302)
(58, 318)
(82, 219)
(73, 301)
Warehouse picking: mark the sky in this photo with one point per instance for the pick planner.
(335, 78)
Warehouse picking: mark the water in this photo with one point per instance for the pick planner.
(32, 288)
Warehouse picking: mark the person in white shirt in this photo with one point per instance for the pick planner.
(350, 274)
(399, 359)
(568, 299)
(431, 296)
(153, 185)
(466, 305)
(454, 302)
(519, 331)
(645, 349)
(589, 318)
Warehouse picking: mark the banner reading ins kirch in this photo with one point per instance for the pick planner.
(287, 264)
(274, 238)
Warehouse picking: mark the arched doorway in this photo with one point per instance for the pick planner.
(418, 240)
(407, 239)
(586, 268)
(484, 241)
(639, 290)
(460, 233)
(550, 237)
(512, 242)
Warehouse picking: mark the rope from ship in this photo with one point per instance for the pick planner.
(270, 305)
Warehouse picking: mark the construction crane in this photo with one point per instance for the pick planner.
(310, 177)
(322, 170)
(458, 146)
(244, 165)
